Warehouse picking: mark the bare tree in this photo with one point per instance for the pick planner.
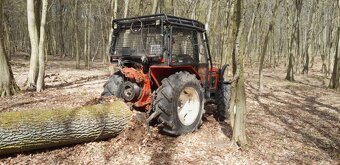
(335, 79)
(37, 63)
(265, 44)
(33, 33)
(238, 97)
(309, 36)
(293, 36)
(8, 85)
(252, 27)
(41, 76)
(86, 38)
(193, 13)
(76, 34)
(207, 20)
(155, 6)
(126, 8)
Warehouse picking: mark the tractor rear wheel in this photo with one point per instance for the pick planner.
(179, 102)
(113, 85)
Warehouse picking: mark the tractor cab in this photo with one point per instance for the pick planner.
(164, 68)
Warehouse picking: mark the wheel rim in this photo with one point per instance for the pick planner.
(188, 106)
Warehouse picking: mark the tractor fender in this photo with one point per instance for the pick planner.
(158, 73)
(222, 70)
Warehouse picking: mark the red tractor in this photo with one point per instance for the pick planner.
(165, 69)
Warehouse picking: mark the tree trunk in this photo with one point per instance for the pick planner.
(115, 10)
(53, 32)
(6, 30)
(309, 37)
(238, 100)
(126, 8)
(227, 32)
(8, 86)
(76, 35)
(207, 20)
(290, 71)
(297, 38)
(89, 37)
(334, 82)
(292, 36)
(41, 76)
(155, 6)
(265, 45)
(38, 129)
(61, 29)
(103, 38)
(193, 13)
(335, 79)
(33, 33)
(251, 30)
(173, 7)
(86, 26)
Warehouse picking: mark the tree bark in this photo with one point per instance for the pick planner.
(33, 33)
(309, 37)
(173, 7)
(251, 29)
(238, 100)
(86, 26)
(38, 129)
(207, 20)
(193, 13)
(8, 85)
(76, 35)
(155, 6)
(227, 32)
(108, 46)
(335, 79)
(41, 75)
(89, 36)
(115, 10)
(293, 36)
(265, 44)
(61, 29)
(290, 71)
(126, 8)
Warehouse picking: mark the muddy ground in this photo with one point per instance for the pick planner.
(288, 122)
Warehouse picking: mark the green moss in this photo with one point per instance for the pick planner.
(42, 117)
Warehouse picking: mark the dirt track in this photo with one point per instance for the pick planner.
(289, 122)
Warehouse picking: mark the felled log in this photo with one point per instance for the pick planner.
(38, 129)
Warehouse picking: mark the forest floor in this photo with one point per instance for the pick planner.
(288, 122)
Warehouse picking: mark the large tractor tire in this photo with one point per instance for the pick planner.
(222, 100)
(113, 85)
(179, 102)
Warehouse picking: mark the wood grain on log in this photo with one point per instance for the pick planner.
(37, 129)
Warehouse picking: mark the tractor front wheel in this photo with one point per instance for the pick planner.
(113, 85)
(179, 102)
(222, 100)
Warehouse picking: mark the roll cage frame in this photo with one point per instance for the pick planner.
(163, 21)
